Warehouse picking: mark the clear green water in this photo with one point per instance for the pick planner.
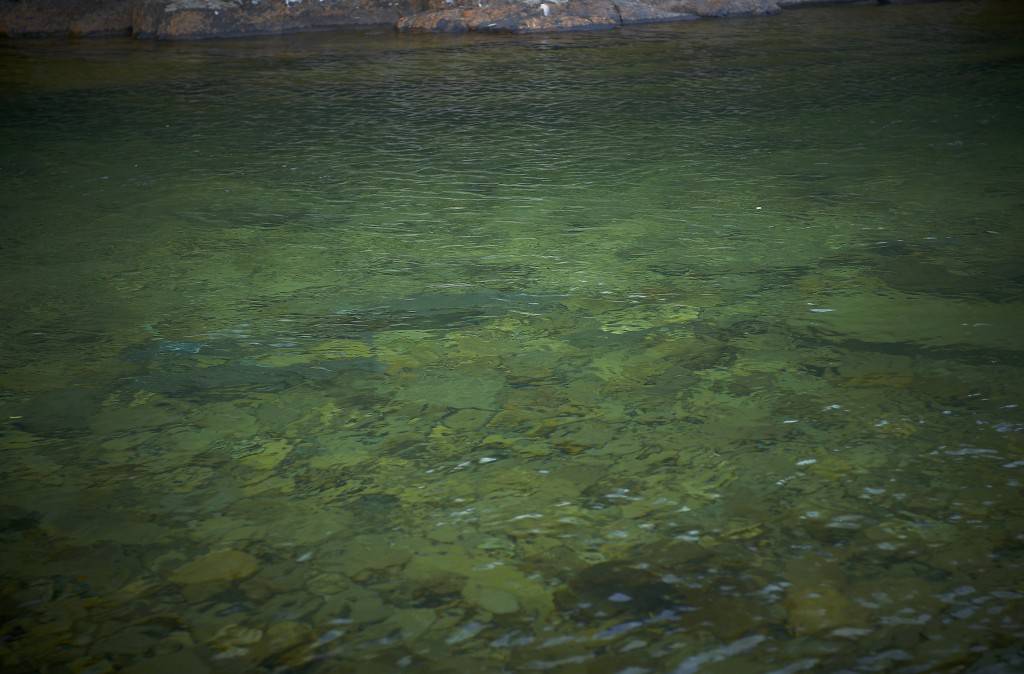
(675, 349)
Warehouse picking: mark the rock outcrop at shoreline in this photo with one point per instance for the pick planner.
(65, 17)
(192, 19)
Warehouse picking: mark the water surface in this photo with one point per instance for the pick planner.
(678, 348)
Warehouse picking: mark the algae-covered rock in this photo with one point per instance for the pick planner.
(170, 663)
(342, 348)
(365, 606)
(817, 599)
(923, 321)
(132, 640)
(402, 350)
(491, 599)
(372, 552)
(576, 438)
(820, 608)
(507, 590)
(282, 637)
(646, 317)
(235, 639)
(467, 419)
(320, 352)
(435, 564)
(412, 622)
(455, 388)
(327, 583)
(91, 665)
(493, 586)
(267, 455)
(220, 566)
(184, 479)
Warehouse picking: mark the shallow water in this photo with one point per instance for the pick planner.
(673, 349)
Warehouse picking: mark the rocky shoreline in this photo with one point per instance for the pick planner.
(194, 19)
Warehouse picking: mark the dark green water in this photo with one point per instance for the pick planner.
(674, 349)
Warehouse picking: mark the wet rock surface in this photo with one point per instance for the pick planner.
(192, 19)
(516, 18)
(211, 18)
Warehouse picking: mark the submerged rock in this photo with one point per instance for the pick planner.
(169, 663)
(220, 566)
(811, 610)
(282, 637)
(610, 588)
(60, 411)
(412, 622)
(235, 638)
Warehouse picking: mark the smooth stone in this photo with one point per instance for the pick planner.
(372, 552)
(506, 590)
(327, 583)
(220, 566)
(492, 599)
(413, 621)
(282, 637)
(369, 608)
(234, 637)
(819, 609)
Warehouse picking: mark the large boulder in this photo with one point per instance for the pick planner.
(717, 8)
(534, 16)
(65, 17)
(637, 11)
(531, 16)
(189, 19)
(177, 19)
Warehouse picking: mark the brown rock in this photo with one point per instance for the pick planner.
(633, 12)
(65, 17)
(189, 19)
(176, 19)
(524, 17)
(717, 8)
(529, 16)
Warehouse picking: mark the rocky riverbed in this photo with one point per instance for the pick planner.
(191, 19)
